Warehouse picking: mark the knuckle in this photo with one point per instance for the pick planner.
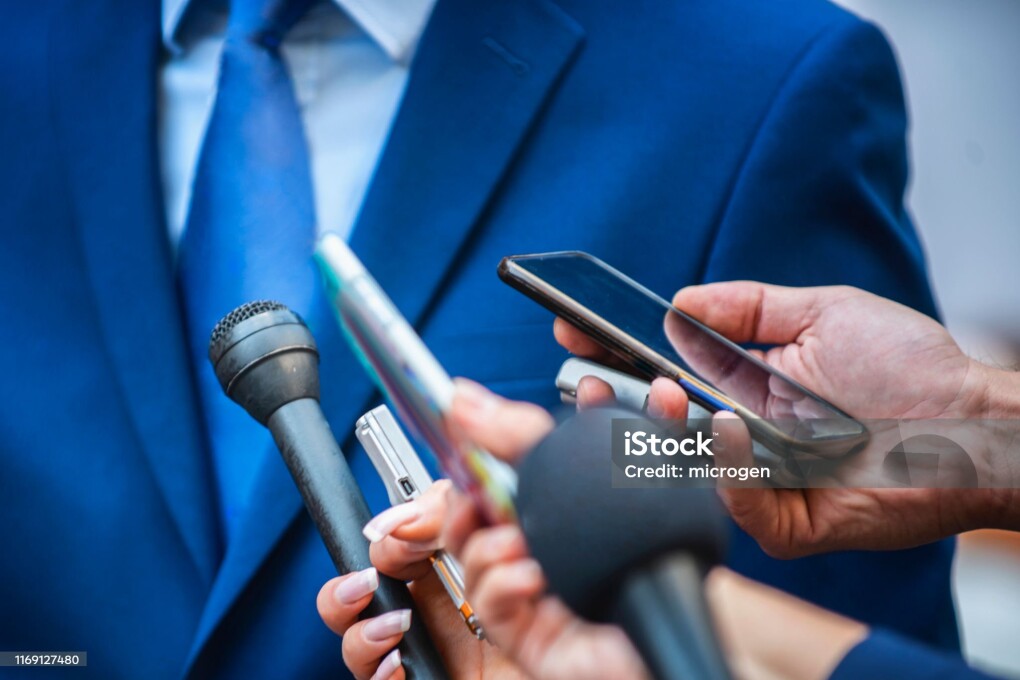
(349, 651)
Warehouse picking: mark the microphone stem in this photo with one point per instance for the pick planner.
(662, 608)
(339, 511)
(326, 483)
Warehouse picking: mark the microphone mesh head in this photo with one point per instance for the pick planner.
(264, 357)
(586, 533)
(245, 311)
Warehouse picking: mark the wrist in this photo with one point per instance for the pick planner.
(809, 645)
(1000, 394)
(996, 412)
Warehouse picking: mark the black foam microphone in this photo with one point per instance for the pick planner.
(633, 556)
(266, 360)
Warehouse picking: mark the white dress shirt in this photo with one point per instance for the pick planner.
(348, 60)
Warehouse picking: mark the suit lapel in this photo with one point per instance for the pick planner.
(481, 73)
(480, 77)
(105, 115)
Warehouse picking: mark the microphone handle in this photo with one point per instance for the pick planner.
(338, 509)
(662, 609)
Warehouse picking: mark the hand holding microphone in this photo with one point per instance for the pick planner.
(540, 636)
(513, 596)
(508, 587)
(407, 535)
(532, 633)
(505, 583)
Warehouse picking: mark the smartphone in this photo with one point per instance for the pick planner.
(656, 339)
(411, 378)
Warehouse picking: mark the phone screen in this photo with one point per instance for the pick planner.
(657, 339)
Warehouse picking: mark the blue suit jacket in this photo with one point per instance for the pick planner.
(884, 655)
(680, 141)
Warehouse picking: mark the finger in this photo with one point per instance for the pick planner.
(417, 520)
(593, 392)
(502, 582)
(462, 520)
(506, 591)
(731, 445)
(389, 520)
(780, 520)
(343, 598)
(666, 399)
(507, 429)
(715, 362)
(405, 536)
(488, 547)
(747, 311)
(752, 507)
(577, 342)
(391, 667)
(403, 560)
(368, 642)
(443, 620)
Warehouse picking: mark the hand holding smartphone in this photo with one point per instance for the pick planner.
(655, 339)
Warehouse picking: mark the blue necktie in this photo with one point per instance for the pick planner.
(251, 225)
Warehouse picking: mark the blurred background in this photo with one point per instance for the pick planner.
(960, 61)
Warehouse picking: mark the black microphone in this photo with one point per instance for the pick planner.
(633, 556)
(266, 360)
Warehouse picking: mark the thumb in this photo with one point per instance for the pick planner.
(747, 311)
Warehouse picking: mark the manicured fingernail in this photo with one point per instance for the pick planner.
(388, 666)
(383, 524)
(386, 626)
(425, 546)
(356, 586)
(478, 403)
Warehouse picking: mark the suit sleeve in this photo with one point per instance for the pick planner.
(819, 197)
(886, 655)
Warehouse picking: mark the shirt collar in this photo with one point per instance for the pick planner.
(395, 25)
